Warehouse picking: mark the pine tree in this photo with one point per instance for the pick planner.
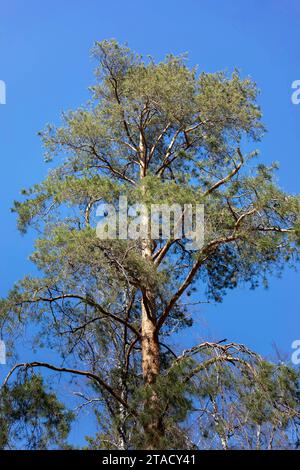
(157, 132)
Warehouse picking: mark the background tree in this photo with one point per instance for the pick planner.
(158, 132)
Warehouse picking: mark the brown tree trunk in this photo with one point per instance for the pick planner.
(149, 343)
(150, 348)
(150, 366)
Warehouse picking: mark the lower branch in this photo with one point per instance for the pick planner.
(84, 373)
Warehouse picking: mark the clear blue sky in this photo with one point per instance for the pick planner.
(45, 62)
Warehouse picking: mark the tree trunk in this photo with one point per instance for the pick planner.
(150, 366)
(149, 343)
(150, 348)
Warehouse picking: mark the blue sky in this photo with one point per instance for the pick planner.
(46, 65)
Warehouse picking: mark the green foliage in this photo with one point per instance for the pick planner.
(33, 417)
(154, 132)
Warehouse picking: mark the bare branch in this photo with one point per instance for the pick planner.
(228, 177)
(88, 210)
(84, 373)
(88, 301)
(166, 161)
(190, 277)
(161, 253)
(152, 150)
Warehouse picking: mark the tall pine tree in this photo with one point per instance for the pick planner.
(157, 132)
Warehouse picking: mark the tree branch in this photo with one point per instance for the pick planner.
(228, 177)
(189, 278)
(88, 301)
(84, 373)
